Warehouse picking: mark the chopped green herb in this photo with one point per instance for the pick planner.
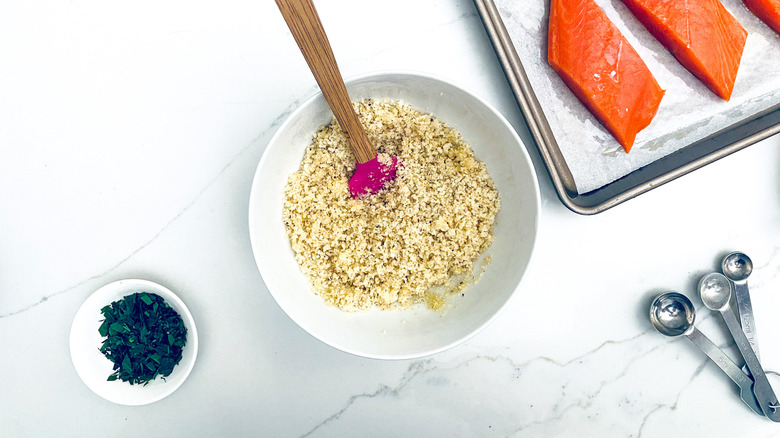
(144, 338)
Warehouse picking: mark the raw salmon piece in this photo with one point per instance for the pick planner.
(767, 10)
(701, 34)
(602, 69)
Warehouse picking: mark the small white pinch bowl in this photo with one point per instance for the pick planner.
(94, 368)
(417, 331)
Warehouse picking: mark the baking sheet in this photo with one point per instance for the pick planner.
(689, 113)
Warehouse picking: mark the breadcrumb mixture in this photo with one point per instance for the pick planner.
(388, 249)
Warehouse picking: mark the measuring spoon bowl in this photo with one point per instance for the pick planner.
(737, 266)
(672, 314)
(715, 291)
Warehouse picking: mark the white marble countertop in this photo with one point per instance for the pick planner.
(130, 134)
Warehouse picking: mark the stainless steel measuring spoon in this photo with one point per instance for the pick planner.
(673, 314)
(715, 293)
(737, 267)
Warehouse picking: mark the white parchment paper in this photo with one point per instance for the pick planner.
(689, 111)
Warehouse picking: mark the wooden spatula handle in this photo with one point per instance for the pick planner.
(306, 28)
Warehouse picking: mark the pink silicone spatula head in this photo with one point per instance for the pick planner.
(371, 174)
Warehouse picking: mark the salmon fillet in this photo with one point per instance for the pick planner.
(767, 10)
(601, 68)
(704, 37)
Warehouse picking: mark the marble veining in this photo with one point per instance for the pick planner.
(431, 372)
(272, 127)
(131, 139)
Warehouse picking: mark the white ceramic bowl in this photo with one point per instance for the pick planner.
(415, 332)
(93, 367)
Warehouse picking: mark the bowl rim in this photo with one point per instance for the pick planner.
(378, 74)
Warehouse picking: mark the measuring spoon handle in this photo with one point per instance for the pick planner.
(761, 387)
(728, 366)
(745, 309)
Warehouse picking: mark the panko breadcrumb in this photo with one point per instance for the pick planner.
(388, 249)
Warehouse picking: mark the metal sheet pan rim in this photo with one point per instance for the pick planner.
(545, 141)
